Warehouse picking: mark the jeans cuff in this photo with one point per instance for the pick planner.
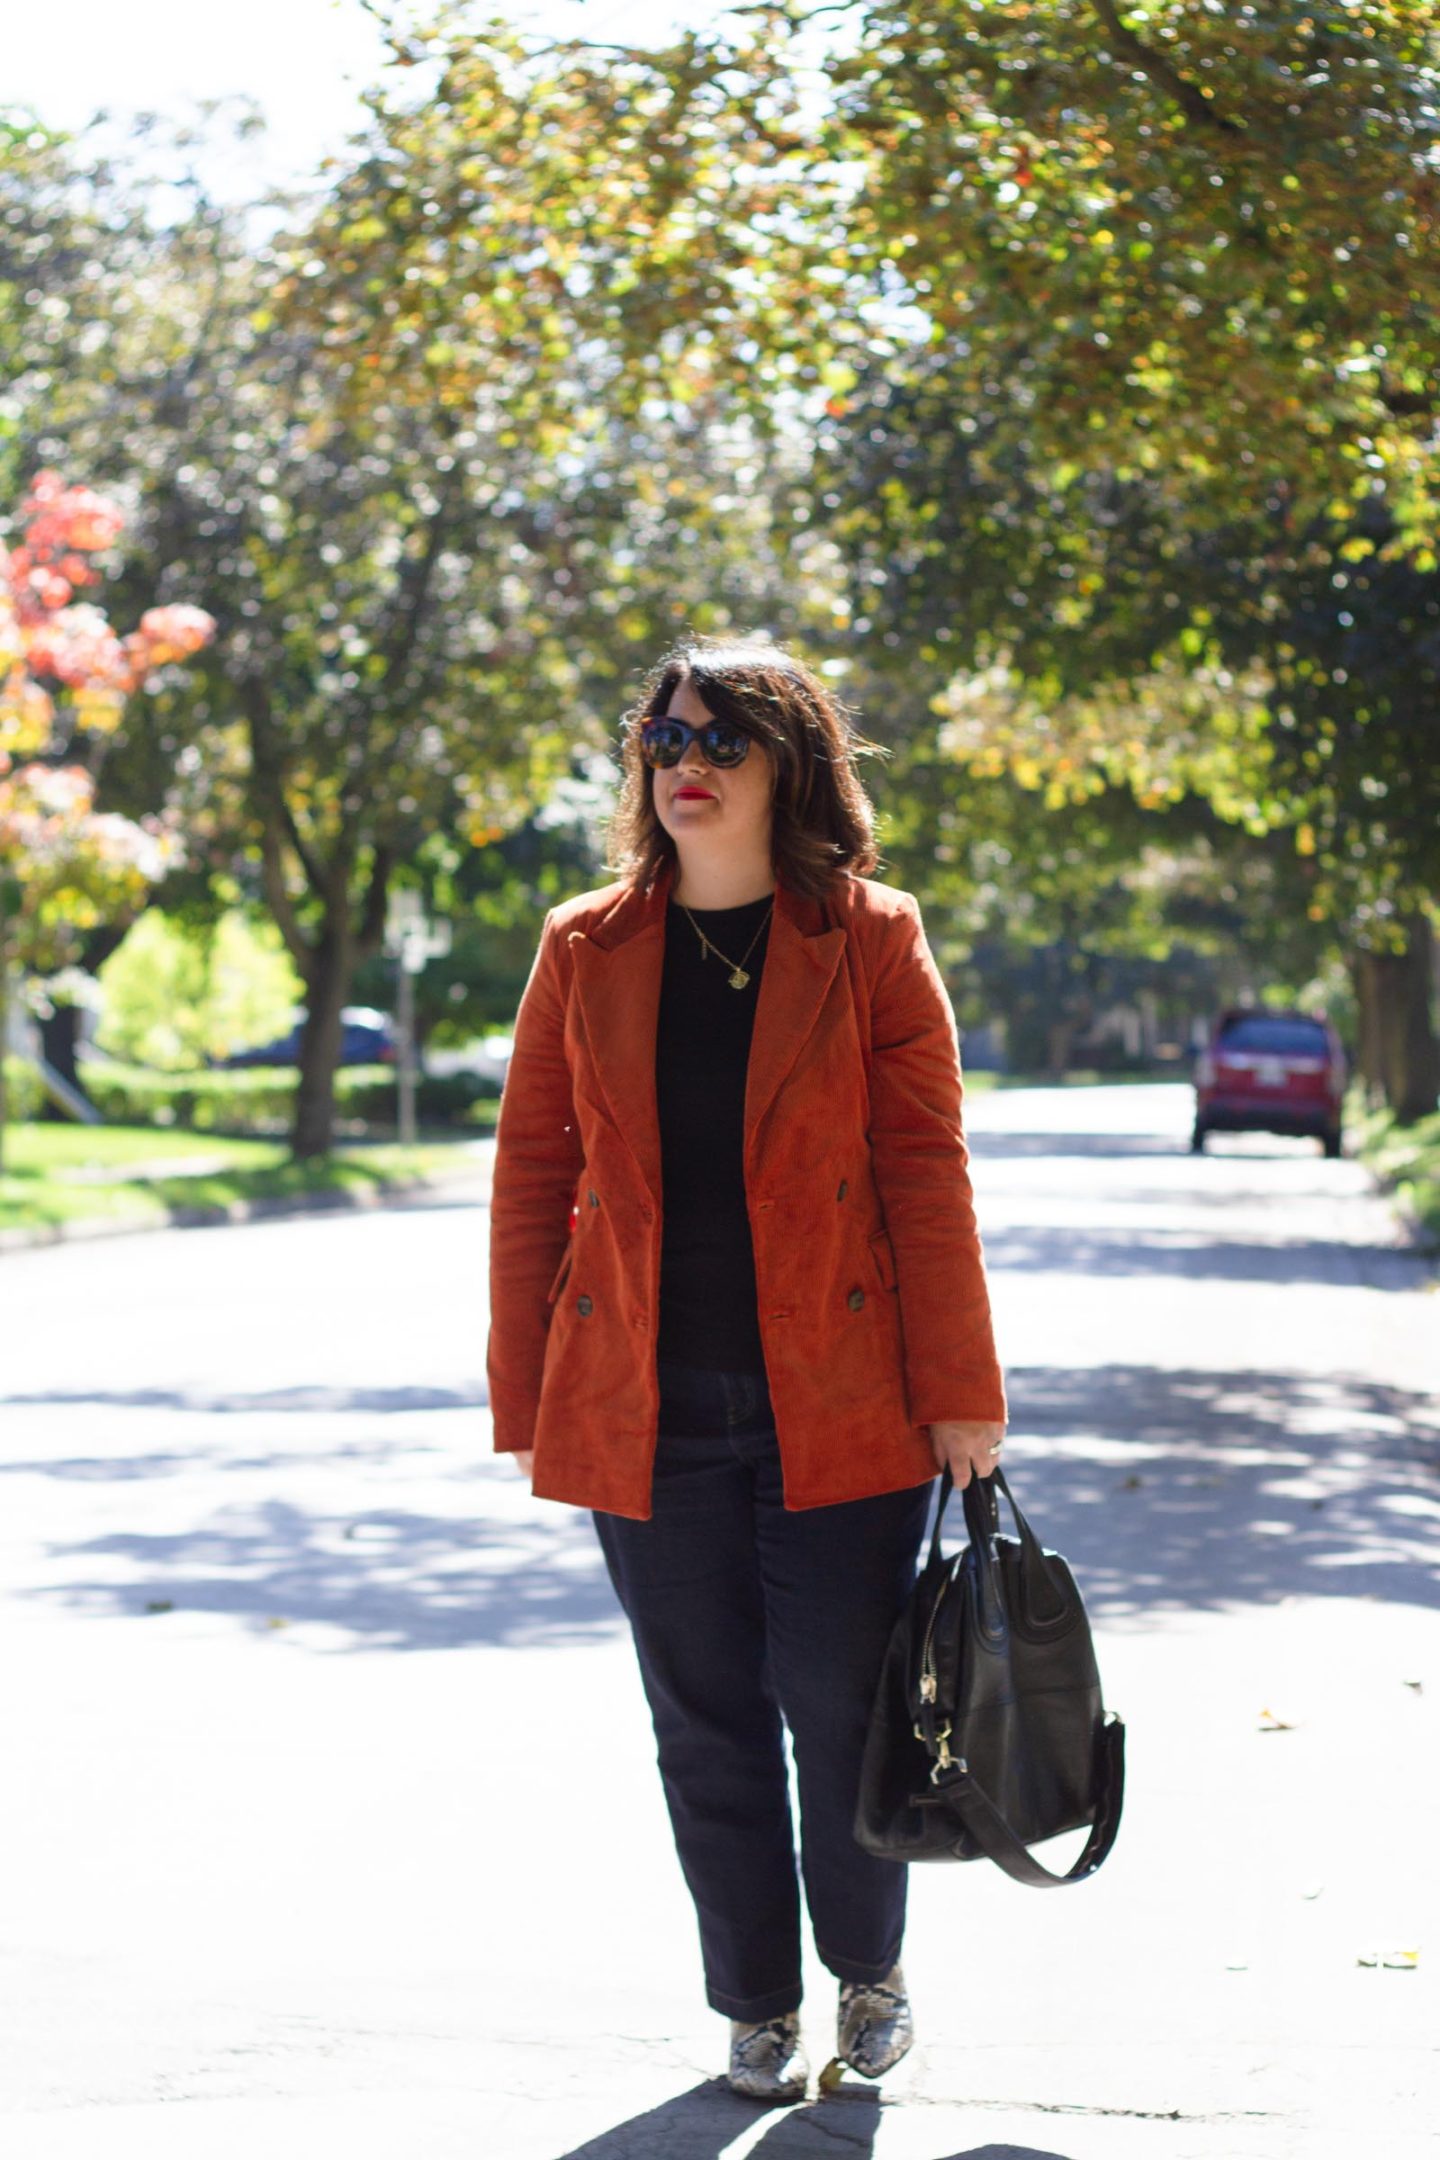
(750, 2009)
(858, 1968)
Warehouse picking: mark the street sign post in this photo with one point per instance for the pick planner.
(410, 940)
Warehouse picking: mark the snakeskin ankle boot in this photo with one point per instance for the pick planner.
(873, 2026)
(767, 2060)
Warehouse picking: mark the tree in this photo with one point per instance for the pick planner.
(542, 203)
(63, 865)
(177, 997)
(429, 609)
(1198, 242)
(1088, 634)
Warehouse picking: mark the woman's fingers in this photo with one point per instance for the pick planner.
(970, 1447)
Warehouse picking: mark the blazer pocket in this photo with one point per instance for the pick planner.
(883, 1254)
(560, 1274)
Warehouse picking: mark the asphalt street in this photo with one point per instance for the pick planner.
(330, 1812)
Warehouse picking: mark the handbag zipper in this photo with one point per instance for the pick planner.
(930, 1679)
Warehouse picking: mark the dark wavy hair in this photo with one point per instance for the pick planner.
(823, 821)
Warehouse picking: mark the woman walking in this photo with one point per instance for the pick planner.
(739, 1307)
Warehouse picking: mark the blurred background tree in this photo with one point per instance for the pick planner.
(66, 867)
(177, 996)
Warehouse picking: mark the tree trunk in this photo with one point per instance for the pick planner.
(1369, 1053)
(1409, 1052)
(331, 968)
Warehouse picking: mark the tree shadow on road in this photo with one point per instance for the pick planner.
(1186, 1256)
(257, 1402)
(704, 2122)
(1179, 1490)
(1201, 1258)
(1194, 1490)
(245, 1402)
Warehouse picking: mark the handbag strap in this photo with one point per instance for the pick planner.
(947, 1486)
(977, 1812)
(978, 1496)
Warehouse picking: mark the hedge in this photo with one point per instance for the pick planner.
(261, 1099)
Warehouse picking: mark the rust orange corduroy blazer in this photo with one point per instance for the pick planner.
(873, 1306)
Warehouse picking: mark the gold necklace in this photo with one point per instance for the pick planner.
(737, 978)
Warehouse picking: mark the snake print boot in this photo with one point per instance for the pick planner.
(873, 2026)
(767, 2060)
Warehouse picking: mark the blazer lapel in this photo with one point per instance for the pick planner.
(618, 968)
(800, 962)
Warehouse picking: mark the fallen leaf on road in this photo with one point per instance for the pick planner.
(1269, 1722)
(832, 2075)
(275, 1620)
(1395, 1960)
(1129, 1484)
(158, 1604)
(1417, 1685)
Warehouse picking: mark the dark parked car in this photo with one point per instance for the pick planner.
(367, 1038)
(1280, 1072)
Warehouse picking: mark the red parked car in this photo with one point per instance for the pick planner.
(1280, 1072)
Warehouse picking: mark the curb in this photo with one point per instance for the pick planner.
(270, 1207)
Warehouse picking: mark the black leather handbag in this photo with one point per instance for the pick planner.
(988, 1733)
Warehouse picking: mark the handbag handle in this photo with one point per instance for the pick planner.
(982, 1521)
(947, 1487)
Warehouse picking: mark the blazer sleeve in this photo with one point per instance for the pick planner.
(921, 1159)
(538, 1159)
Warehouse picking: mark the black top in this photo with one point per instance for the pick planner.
(708, 1311)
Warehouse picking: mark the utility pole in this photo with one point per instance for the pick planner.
(410, 940)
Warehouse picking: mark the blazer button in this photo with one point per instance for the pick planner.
(855, 1300)
(584, 1304)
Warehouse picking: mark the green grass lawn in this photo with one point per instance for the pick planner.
(1405, 1158)
(61, 1173)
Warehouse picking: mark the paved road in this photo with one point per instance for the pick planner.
(330, 1810)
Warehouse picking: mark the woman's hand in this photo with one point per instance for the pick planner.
(525, 1458)
(970, 1448)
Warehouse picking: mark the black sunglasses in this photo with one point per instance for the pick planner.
(664, 741)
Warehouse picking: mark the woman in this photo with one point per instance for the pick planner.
(739, 1308)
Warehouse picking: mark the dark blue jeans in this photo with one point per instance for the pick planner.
(745, 1616)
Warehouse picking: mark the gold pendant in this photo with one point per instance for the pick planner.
(739, 979)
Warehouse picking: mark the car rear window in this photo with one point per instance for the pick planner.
(1279, 1038)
